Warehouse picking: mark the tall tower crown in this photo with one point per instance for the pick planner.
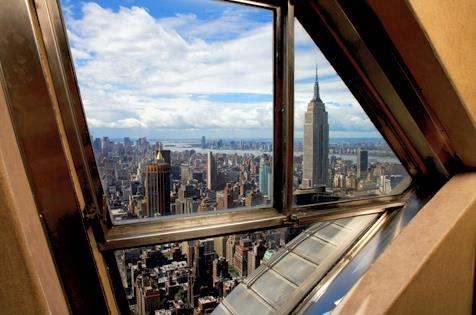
(317, 96)
(159, 156)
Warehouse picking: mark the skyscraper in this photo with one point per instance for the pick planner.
(204, 143)
(230, 249)
(255, 255)
(362, 163)
(211, 172)
(157, 186)
(228, 197)
(265, 182)
(219, 245)
(316, 142)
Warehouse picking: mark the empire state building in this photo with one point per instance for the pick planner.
(316, 142)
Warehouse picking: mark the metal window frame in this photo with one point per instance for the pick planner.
(45, 108)
(81, 158)
(84, 169)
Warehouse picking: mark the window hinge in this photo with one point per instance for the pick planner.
(291, 220)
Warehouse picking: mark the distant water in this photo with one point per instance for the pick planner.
(180, 147)
(353, 158)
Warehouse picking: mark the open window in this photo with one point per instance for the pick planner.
(338, 153)
(179, 103)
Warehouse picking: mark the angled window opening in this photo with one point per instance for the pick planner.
(339, 155)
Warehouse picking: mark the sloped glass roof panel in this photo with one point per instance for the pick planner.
(314, 249)
(243, 301)
(273, 287)
(295, 268)
(333, 233)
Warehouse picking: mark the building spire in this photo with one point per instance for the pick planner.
(160, 158)
(317, 96)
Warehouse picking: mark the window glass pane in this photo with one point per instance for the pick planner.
(338, 153)
(178, 100)
(193, 277)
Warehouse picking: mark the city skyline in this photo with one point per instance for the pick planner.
(198, 137)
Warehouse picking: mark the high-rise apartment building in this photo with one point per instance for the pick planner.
(230, 249)
(316, 142)
(219, 245)
(265, 177)
(228, 197)
(211, 172)
(255, 255)
(147, 293)
(201, 277)
(253, 198)
(362, 163)
(157, 186)
(240, 258)
(220, 270)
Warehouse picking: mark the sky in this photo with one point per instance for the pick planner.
(176, 69)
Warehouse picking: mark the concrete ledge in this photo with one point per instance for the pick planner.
(430, 267)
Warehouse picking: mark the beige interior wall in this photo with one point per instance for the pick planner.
(29, 283)
(451, 27)
(20, 292)
(437, 42)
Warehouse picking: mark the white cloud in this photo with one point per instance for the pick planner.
(136, 71)
(196, 113)
(131, 47)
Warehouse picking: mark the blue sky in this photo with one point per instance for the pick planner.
(179, 68)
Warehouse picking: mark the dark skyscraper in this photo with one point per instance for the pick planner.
(211, 172)
(157, 186)
(362, 163)
(316, 142)
(97, 146)
(228, 197)
(204, 143)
